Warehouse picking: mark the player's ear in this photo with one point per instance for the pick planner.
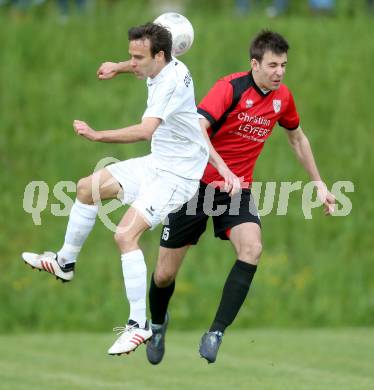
(254, 64)
(160, 56)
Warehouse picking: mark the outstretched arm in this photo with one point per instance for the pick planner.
(108, 70)
(140, 132)
(301, 146)
(232, 182)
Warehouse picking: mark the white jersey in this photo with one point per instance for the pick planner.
(178, 144)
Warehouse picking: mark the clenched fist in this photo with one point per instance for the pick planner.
(107, 70)
(82, 128)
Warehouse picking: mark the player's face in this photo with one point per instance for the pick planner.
(270, 71)
(142, 62)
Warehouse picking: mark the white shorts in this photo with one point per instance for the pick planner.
(153, 192)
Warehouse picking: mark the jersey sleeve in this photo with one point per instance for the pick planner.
(216, 102)
(160, 101)
(290, 118)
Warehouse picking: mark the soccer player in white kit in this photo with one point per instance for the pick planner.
(154, 185)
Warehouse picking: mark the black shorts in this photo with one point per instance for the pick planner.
(185, 226)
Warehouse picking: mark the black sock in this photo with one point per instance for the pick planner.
(159, 300)
(233, 294)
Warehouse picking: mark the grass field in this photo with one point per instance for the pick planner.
(313, 273)
(255, 359)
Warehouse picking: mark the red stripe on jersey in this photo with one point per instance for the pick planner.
(240, 139)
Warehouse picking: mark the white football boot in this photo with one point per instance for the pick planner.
(47, 261)
(130, 337)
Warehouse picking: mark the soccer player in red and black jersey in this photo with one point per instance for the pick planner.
(239, 114)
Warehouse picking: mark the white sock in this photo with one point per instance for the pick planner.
(81, 221)
(135, 277)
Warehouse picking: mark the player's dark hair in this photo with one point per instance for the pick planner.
(267, 41)
(159, 37)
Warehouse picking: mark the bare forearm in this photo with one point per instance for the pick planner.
(304, 154)
(124, 67)
(214, 158)
(140, 132)
(122, 136)
(301, 146)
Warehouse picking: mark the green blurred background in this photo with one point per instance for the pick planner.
(316, 272)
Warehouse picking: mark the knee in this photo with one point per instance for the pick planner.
(84, 191)
(163, 278)
(125, 241)
(250, 251)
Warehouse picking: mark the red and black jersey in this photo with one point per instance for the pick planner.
(242, 117)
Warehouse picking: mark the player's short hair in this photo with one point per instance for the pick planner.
(267, 40)
(159, 37)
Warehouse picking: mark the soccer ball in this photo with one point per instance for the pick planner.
(181, 30)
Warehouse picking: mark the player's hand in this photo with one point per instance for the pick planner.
(107, 70)
(326, 197)
(82, 128)
(231, 181)
(329, 204)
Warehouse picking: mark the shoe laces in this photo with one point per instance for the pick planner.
(47, 254)
(120, 330)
